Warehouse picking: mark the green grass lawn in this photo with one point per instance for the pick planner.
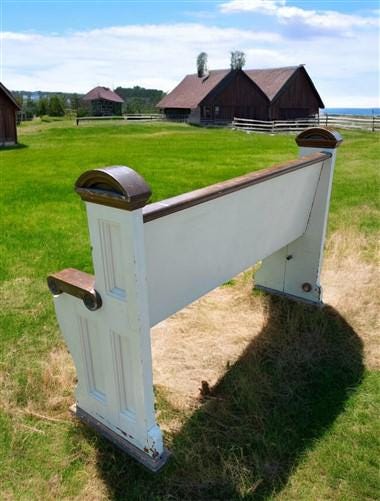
(279, 427)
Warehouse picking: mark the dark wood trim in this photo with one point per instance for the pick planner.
(181, 202)
(319, 137)
(76, 283)
(116, 186)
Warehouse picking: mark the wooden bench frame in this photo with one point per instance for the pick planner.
(152, 260)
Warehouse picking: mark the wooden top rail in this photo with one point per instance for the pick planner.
(192, 198)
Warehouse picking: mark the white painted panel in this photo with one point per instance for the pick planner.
(92, 358)
(117, 239)
(71, 313)
(114, 276)
(190, 252)
(125, 375)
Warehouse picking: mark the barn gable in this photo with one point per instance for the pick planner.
(235, 95)
(298, 97)
(271, 80)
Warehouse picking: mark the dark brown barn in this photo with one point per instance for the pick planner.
(8, 110)
(221, 95)
(102, 101)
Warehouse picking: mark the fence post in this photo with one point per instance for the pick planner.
(272, 126)
(327, 119)
(111, 346)
(373, 123)
(294, 270)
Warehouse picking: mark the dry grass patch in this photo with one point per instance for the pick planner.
(50, 390)
(58, 379)
(351, 286)
(200, 342)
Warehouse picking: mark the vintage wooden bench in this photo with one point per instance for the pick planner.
(152, 260)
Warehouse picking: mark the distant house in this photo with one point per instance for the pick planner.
(102, 101)
(221, 95)
(8, 110)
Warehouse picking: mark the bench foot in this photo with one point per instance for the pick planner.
(275, 292)
(152, 464)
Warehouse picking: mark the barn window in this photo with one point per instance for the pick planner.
(206, 112)
(216, 111)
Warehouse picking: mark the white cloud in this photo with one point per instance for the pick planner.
(154, 55)
(160, 55)
(325, 21)
(9, 35)
(264, 6)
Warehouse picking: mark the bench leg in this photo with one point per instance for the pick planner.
(295, 269)
(111, 346)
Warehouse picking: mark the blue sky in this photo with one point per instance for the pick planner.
(75, 45)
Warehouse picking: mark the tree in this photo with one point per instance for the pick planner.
(55, 107)
(42, 107)
(75, 103)
(19, 98)
(237, 60)
(202, 64)
(139, 100)
(30, 108)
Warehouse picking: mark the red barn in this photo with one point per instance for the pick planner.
(8, 110)
(103, 102)
(221, 95)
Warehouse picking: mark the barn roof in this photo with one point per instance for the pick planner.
(271, 80)
(191, 91)
(103, 93)
(10, 96)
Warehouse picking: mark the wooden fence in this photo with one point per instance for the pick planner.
(336, 121)
(141, 117)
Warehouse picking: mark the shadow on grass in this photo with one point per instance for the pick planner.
(18, 146)
(282, 394)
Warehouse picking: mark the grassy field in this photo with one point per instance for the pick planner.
(293, 416)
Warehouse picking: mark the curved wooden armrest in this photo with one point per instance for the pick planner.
(76, 283)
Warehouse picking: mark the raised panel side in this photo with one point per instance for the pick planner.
(123, 363)
(111, 250)
(92, 359)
